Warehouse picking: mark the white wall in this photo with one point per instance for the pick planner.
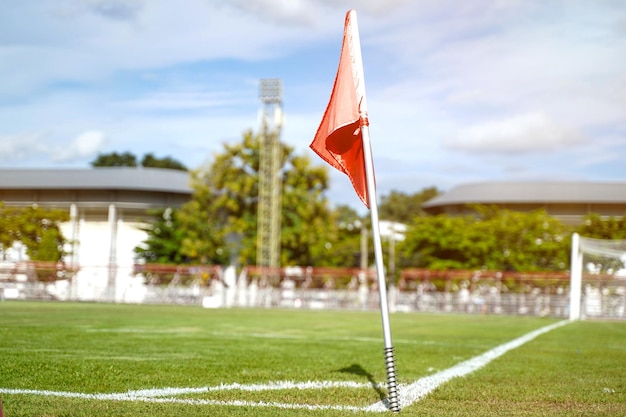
(93, 251)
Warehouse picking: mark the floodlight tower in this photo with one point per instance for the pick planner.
(270, 180)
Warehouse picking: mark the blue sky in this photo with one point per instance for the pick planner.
(457, 91)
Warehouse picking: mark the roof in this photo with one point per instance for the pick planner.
(532, 192)
(109, 178)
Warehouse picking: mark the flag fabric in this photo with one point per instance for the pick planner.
(339, 140)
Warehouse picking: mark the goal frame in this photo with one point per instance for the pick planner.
(577, 267)
(576, 278)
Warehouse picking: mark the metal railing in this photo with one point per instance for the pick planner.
(416, 290)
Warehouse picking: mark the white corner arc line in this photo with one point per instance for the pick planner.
(422, 387)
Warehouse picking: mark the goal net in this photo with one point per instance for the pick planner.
(598, 278)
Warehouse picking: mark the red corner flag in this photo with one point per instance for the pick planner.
(339, 140)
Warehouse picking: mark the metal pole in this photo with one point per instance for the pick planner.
(575, 282)
(111, 290)
(270, 180)
(74, 243)
(392, 385)
(364, 254)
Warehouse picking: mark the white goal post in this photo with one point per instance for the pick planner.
(605, 257)
(576, 279)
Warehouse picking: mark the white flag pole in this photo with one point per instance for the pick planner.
(357, 66)
(392, 385)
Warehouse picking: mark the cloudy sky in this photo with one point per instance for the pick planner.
(458, 91)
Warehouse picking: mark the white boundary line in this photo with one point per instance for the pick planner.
(408, 394)
(424, 386)
(164, 395)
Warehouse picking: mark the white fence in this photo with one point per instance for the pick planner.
(471, 292)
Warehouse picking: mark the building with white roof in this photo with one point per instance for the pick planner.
(108, 208)
(567, 201)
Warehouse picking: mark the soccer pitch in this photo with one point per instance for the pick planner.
(75, 359)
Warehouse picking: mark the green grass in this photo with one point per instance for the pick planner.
(578, 369)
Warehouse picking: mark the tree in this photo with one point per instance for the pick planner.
(497, 239)
(346, 248)
(401, 207)
(598, 227)
(36, 228)
(224, 204)
(219, 223)
(127, 159)
(521, 241)
(437, 242)
(150, 161)
(10, 224)
(308, 225)
(115, 159)
(164, 239)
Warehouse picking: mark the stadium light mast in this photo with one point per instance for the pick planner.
(270, 179)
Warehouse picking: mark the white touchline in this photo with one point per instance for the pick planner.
(171, 391)
(278, 385)
(422, 387)
(408, 393)
(165, 399)
(164, 395)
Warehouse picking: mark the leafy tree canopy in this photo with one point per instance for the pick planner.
(497, 239)
(598, 227)
(114, 159)
(127, 159)
(36, 228)
(401, 207)
(219, 223)
(164, 239)
(151, 161)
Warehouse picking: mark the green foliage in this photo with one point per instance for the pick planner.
(220, 219)
(520, 241)
(49, 247)
(36, 228)
(114, 159)
(611, 228)
(127, 159)
(346, 248)
(598, 227)
(438, 242)
(219, 224)
(164, 239)
(401, 207)
(202, 224)
(497, 239)
(308, 225)
(150, 161)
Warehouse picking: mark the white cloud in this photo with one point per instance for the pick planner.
(289, 12)
(14, 148)
(531, 132)
(85, 145)
(116, 9)
(505, 82)
(314, 12)
(184, 100)
(35, 146)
